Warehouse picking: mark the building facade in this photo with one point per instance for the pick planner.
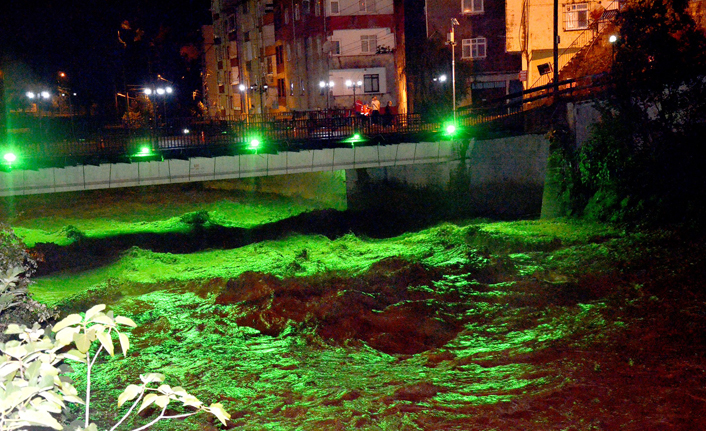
(530, 32)
(478, 28)
(272, 56)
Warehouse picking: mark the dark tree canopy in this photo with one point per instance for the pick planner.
(645, 160)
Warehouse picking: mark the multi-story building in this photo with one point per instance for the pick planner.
(294, 55)
(478, 28)
(530, 32)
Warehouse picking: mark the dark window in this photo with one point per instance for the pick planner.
(281, 88)
(371, 83)
(279, 54)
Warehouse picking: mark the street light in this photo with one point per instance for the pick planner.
(354, 85)
(326, 86)
(452, 42)
(161, 92)
(440, 79)
(243, 98)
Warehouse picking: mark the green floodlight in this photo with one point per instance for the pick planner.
(255, 143)
(9, 158)
(144, 151)
(354, 139)
(450, 129)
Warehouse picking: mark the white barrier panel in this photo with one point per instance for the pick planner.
(96, 177)
(201, 169)
(41, 180)
(115, 175)
(277, 164)
(253, 165)
(124, 175)
(367, 157)
(179, 171)
(69, 179)
(343, 158)
(300, 161)
(323, 160)
(405, 153)
(226, 167)
(154, 172)
(426, 152)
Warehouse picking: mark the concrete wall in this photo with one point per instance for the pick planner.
(500, 177)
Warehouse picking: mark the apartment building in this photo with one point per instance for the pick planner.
(478, 28)
(530, 30)
(294, 55)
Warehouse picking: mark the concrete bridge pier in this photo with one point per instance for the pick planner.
(499, 178)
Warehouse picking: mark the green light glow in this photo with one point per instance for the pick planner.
(450, 129)
(357, 137)
(255, 143)
(9, 157)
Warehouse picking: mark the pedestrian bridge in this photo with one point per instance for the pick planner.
(152, 169)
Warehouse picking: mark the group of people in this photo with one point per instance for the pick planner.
(374, 112)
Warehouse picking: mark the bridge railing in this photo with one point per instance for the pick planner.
(60, 138)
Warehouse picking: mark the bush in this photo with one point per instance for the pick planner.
(33, 389)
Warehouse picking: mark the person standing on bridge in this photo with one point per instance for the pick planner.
(375, 110)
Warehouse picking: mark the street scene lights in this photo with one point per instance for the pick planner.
(452, 42)
(243, 98)
(162, 92)
(440, 79)
(350, 84)
(326, 86)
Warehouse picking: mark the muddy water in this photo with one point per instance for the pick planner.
(402, 347)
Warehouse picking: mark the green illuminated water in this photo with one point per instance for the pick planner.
(461, 326)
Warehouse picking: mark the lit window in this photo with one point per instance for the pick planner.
(474, 48)
(472, 6)
(368, 43)
(296, 12)
(576, 16)
(317, 7)
(371, 83)
(367, 5)
(334, 7)
(286, 15)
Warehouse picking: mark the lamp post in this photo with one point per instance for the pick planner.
(452, 42)
(354, 85)
(40, 96)
(162, 92)
(326, 86)
(612, 40)
(243, 99)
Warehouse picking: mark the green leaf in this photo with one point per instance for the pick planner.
(152, 378)
(124, 343)
(104, 319)
(75, 355)
(82, 342)
(129, 394)
(125, 321)
(65, 336)
(149, 399)
(70, 320)
(13, 328)
(39, 417)
(33, 370)
(107, 342)
(93, 311)
(162, 401)
(219, 412)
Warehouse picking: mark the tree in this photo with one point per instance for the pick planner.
(644, 161)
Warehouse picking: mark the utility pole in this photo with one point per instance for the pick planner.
(556, 48)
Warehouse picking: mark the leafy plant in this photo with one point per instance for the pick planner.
(34, 389)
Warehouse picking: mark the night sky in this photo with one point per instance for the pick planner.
(79, 37)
